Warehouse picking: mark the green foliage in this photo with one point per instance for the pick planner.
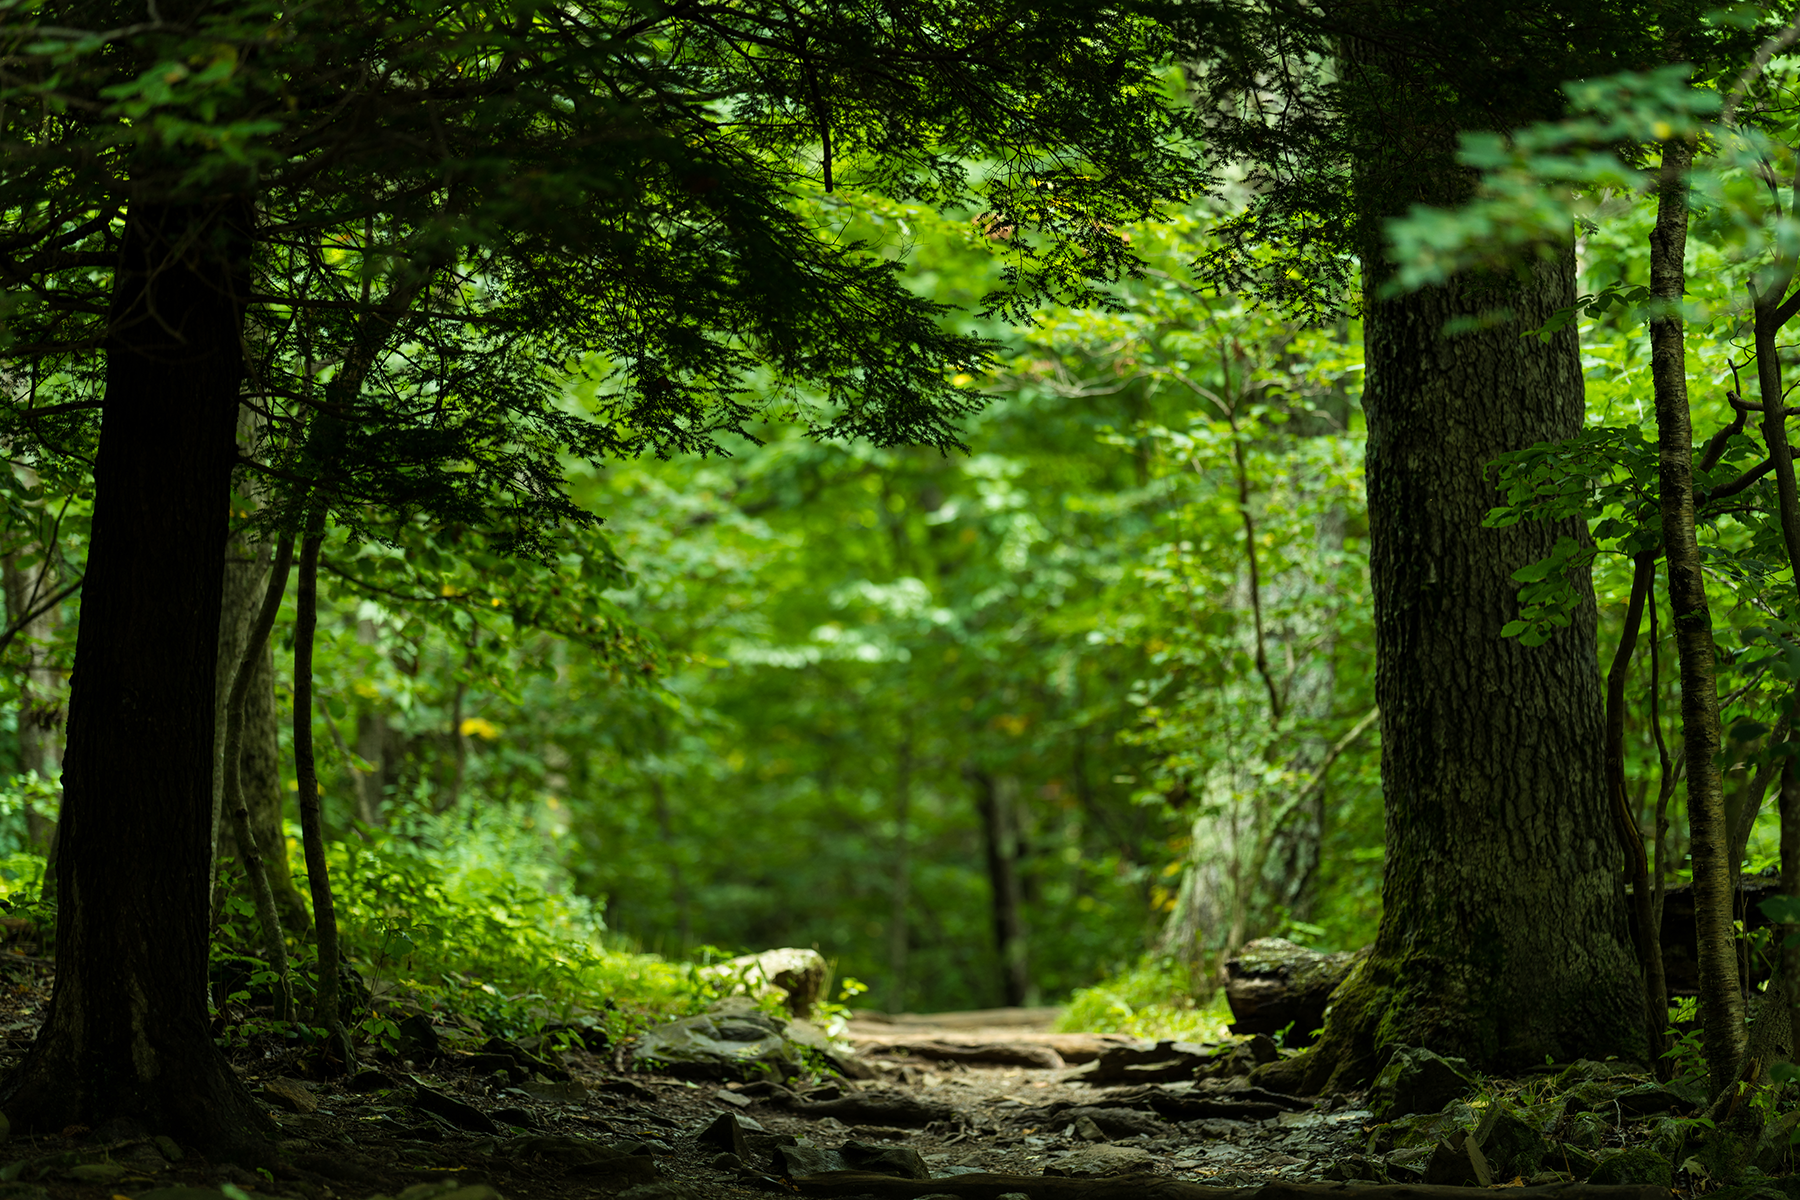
(1157, 998)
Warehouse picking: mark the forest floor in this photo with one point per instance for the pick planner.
(467, 1126)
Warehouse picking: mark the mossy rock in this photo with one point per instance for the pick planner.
(1512, 1141)
(1427, 1129)
(1592, 1095)
(1575, 1161)
(1639, 1165)
(1585, 1129)
(1787, 1185)
(1417, 1080)
(1748, 1191)
(1586, 1070)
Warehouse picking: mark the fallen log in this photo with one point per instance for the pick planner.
(1274, 986)
(1159, 1187)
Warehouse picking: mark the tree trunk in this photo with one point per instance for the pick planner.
(1503, 936)
(998, 801)
(306, 774)
(246, 579)
(40, 710)
(255, 640)
(1721, 1004)
(1647, 931)
(260, 766)
(900, 899)
(126, 1041)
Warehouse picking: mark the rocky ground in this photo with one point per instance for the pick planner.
(995, 1112)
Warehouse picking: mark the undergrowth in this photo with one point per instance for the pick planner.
(1154, 999)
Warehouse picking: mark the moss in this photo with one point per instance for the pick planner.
(1637, 1165)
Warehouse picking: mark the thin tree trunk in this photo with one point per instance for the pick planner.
(256, 637)
(127, 1036)
(678, 893)
(1631, 838)
(38, 711)
(306, 772)
(901, 892)
(1721, 1004)
(996, 798)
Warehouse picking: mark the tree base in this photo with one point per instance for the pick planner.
(192, 1096)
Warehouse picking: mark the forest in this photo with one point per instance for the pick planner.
(517, 508)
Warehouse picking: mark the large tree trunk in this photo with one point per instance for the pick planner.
(1504, 935)
(126, 1041)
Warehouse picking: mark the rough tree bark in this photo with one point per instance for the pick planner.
(1503, 935)
(126, 1043)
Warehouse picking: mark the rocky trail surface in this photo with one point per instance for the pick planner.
(739, 1104)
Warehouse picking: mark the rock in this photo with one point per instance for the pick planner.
(1591, 1096)
(1417, 1080)
(100, 1173)
(1585, 1129)
(1165, 1062)
(719, 1046)
(610, 1166)
(1274, 985)
(799, 1162)
(1111, 1122)
(660, 1191)
(1513, 1145)
(341, 1168)
(461, 1115)
(528, 1061)
(1656, 1098)
(798, 975)
(735, 1099)
(1087, 1131)
(1638, 1165)
(1458, 1162)
(1423, 1129)
(569, 1091)
(1092, 1162)
(369, 1080)
(726, 1162)
(725, 1135)
(997, 1054)
(1354, 1168)
(1777, 1140)
(514, 1115)
(162, 1193)
(291, 1095)
(419, 1038)
(1579, 1162)
(1586, 1070)
(878, 1108)
(886, 1160)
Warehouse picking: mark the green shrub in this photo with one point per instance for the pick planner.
(1157, 998)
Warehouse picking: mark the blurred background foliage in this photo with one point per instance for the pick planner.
(778, 698)
(1113, 661)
